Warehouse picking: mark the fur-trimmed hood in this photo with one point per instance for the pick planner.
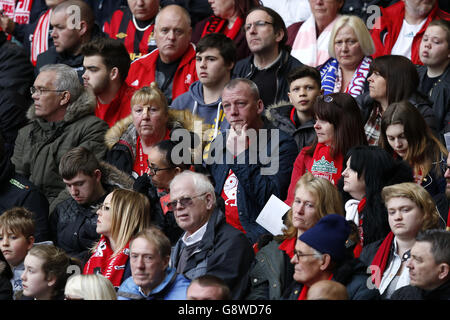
(82, 106)
(125, 130)
(111, 176)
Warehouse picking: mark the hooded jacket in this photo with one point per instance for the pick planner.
(73, 226)
(40, 145)
(223, 251)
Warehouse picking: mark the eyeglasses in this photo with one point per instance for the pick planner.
(298, 254)
(257, 24)
(154, 170)
(185, 202)
(39, 91)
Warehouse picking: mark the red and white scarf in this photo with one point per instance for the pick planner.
(39, 43)
(19, 13)
(380, 259)
(104, 263)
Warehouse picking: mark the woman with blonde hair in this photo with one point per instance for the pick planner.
(89, 287)
(272, 271)
(129, 141)
(122, 214)
(350, 48)
(410, 209)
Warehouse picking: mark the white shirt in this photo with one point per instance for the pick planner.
(195, 237)
(403, 45)
(391, 271)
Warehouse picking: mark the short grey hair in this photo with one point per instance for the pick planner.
(253, 87)
(66, 79)
(200, 182)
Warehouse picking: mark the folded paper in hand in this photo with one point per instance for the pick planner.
(271, 216)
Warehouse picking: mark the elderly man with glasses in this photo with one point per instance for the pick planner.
(61, 118)
(209, 245)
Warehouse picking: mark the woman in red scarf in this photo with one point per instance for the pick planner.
(122, 214)
(272, 272)
(338, 128)
(410, 209)
(368, 170)
(228, 18)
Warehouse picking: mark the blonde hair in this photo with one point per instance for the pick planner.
(327, 200)
(360, 30)
(419, 196)
(130, 214)
(150, 95)
(90, 287)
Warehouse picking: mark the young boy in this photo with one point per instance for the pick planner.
(297, 117)
(434, 75)
(16, 238)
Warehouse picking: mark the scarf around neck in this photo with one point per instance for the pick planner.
(39, 43)
(380, 259)
(219, 25)
(103, 262)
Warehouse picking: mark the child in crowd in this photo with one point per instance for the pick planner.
(16, 238)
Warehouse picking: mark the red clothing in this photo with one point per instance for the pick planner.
(391, 21)
(321, 164)
(118, 108)
(229, 195)
(121, 27)
(142, 72)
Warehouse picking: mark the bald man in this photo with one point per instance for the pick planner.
(327, 290)
(172, 64)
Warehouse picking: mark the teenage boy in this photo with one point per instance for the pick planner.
(16, 238)
(297, 117)
(215, 58)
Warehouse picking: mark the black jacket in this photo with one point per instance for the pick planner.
(223, 251)
(366, 104)
(439, 95)
(17, 191)
(245, 68)
(6, 292)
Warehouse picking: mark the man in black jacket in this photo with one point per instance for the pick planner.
(270, 61)
(73, 222)
(429, 268)
(209, 245)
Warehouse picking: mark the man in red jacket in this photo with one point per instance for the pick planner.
(172, 64)
(401, 26)
(107, 62)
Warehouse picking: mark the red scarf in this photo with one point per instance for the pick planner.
(359, 246)
(140, 163)
(380, 260)
(40, 36)
(288, 246)
(102, 262)
(324, 166)
(219, 25)
(17, 10)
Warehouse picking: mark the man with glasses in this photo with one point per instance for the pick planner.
(270, 62)
(321, 254)
(61, 118)
(88, 181)
(209, 245)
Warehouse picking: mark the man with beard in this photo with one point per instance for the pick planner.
(106, 63)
